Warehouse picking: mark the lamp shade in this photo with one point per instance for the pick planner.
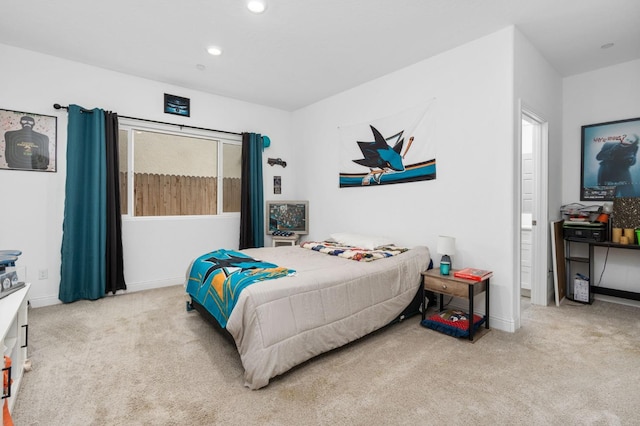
(446, 245)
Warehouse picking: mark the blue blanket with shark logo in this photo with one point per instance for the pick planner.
(217, 278)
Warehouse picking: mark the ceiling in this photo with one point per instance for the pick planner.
(301, 51)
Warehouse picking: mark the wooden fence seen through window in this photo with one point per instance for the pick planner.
(171, 195)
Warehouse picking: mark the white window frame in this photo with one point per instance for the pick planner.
(131, 125)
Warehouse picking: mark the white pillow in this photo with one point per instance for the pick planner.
(358, 240)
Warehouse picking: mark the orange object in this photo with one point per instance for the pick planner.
(617, 233)
(472, 274)
(603, 218)
(630, 233)
(6, 415)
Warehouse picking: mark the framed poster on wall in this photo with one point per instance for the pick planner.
(177, 105)
(609, 160)
(27, 141)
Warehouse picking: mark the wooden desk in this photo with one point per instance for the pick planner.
(590, 261)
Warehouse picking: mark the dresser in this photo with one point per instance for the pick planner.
(14, 339)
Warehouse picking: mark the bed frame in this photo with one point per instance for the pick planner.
(414, 308)
(271, 328)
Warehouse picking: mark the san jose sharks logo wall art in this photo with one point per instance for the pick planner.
(396, 149)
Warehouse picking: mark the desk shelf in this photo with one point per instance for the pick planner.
(589, 261)
(571, 269)
(578, 259)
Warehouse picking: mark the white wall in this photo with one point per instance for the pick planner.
(538, 89)
(157, 251)
(472, 198)
(607, 94)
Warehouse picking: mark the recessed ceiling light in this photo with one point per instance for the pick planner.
(256, 6)
(606, 46)
(214, 50)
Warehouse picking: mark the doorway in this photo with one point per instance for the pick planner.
(534, 235)
(527, 198)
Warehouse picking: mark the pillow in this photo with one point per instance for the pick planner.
(453, 322)
(362, 241)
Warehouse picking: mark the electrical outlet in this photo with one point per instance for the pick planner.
(43, 274)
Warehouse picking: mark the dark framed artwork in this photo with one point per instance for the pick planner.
(177, 105)
(277, 184)
(28, 141)
(609, 165)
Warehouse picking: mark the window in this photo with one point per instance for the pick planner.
(169, 173)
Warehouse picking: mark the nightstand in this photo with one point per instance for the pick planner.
(433, 281)
(279, 240)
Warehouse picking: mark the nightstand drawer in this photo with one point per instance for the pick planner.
(449, 287)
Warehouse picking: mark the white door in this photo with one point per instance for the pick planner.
(534, 276)
(526, 209)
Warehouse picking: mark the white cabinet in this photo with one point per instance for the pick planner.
(13, 338)
(285, 241)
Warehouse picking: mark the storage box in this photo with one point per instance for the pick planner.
(581, 290)
(11, 279)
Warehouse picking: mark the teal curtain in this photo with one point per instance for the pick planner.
(84, 227)
(252, 199)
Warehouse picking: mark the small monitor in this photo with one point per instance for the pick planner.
(292, 216)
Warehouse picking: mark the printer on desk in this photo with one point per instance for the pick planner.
(584, 231)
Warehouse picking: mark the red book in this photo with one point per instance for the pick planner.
(472, 274)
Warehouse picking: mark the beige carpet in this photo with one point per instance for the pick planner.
(141, 359)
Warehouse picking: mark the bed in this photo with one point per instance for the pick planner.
(319, 302)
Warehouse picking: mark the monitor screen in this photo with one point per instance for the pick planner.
(290, 216)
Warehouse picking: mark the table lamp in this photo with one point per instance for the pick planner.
(446, 247)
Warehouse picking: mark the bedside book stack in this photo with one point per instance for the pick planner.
(474, 274)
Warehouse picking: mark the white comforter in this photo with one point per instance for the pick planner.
(331, 301)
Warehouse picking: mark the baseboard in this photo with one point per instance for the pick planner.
(39, 302)
(148, 285)
(618, 300)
